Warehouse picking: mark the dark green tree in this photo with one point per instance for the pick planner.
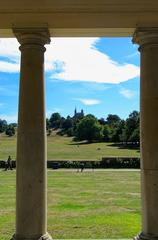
(102, 121)
(130, 132)
(89, 129)
(10, 131)
(135, 136)
(3, 125)
(62, 120)
(68, 123)
(113, 122)
(117, 131)
(55, 120)
(106, 133)
(112, 119)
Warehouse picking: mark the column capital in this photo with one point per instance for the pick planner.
(32, 36)
(146, 35)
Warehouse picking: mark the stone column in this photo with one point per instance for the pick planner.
(147, 38)
(31, 200)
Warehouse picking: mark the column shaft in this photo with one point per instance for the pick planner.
(148, 40)
(31, 203)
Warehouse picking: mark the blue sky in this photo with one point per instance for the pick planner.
(98, 75)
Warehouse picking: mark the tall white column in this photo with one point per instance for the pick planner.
(31, 200)
(147, 38)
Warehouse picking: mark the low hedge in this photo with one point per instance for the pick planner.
(106, 162)
(124, 162)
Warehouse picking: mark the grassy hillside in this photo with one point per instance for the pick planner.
(64, 148)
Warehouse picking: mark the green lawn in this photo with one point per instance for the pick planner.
(63, 148)
(99, 204)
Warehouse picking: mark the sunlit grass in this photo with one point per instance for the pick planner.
(64, 148)
(99, 204)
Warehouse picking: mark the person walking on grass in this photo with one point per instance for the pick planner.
(82, 167)
(8, 164)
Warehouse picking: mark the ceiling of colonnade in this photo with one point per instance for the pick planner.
(79, 17)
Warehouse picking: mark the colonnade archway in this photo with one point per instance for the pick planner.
(31, 196)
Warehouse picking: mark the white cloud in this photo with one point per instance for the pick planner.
(9, 48)
(89, 102)
(9, 67)
(128, 93)
(9, 118)
(9, 51)
(81, 61)
(72, 59)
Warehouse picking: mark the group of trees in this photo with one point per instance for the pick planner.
(89, 128)
(8, 129)
(65, 125)
(111, 129)
(125, 131)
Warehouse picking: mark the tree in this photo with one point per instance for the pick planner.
(3, 125)
(135, 137)
(102, 121)
(62, 120)
(132, 123)
(68, 123)
(112, 119)
(123, 136)
(131, 129)
(117, 131)
(47, 124)
(55, 120)
(89, 129)
(10, 131)
(70, 132)
(106, 136)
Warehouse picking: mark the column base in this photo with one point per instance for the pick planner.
(44, 237)
(143, 236)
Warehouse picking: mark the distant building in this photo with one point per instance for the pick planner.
(78, 114)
